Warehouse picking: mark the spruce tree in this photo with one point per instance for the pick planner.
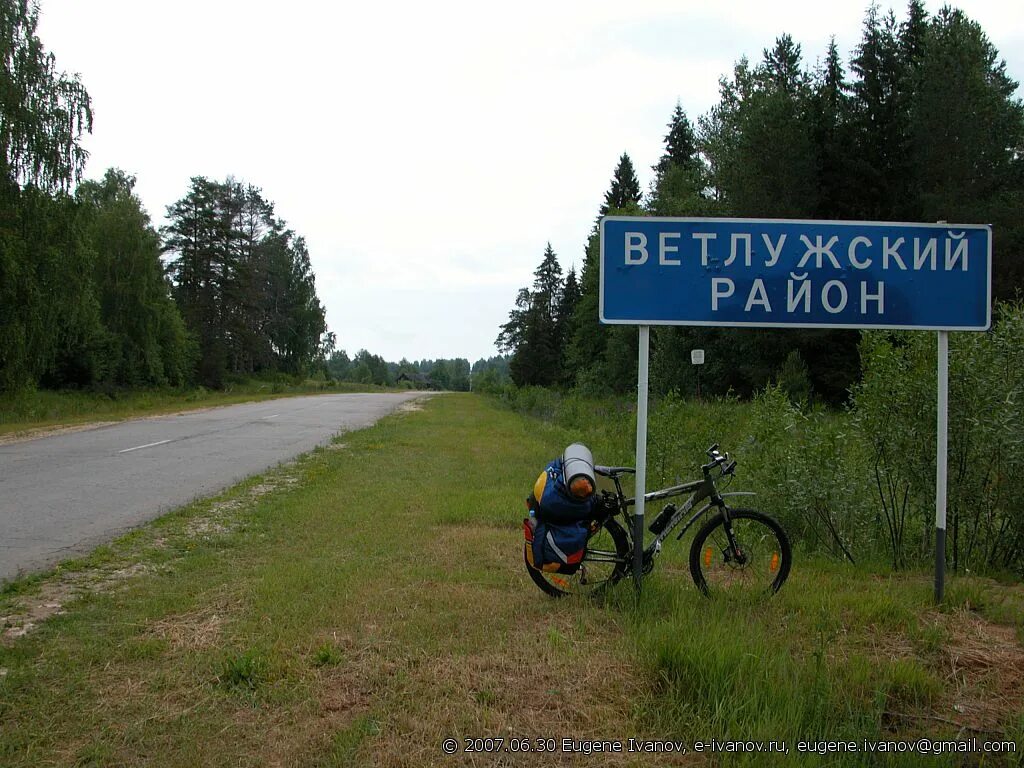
(584, 354)
(833, 134)
(680, 144)
(912, 34)
(567, 305)
(533, 332)
(881, 122)
(565, 318)
(625, 189)
(547, 283)
(782, 66)
(967, 129)
(678, 188)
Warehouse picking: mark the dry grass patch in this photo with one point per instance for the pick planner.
(412, 406)
(477, 656)
(977, 665)
(983, 667)
(197, 630)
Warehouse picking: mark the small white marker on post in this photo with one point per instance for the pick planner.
(697, 359)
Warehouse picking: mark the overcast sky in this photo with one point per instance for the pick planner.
(427, 151)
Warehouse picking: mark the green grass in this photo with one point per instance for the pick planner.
(44, 409)
(378, 605)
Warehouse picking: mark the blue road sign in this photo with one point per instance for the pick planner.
(805, 274)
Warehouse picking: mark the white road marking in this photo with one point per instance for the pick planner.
(147, 445)
(274, 416)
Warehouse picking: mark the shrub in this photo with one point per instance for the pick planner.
(895, 407)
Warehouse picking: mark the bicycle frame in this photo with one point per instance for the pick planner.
(699, 490)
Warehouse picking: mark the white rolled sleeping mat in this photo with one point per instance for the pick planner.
(578, 470)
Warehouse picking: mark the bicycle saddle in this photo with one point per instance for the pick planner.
(613, 471)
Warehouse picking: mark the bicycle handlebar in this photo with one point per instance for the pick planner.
(717, 460)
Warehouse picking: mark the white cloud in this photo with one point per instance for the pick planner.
(426, 151)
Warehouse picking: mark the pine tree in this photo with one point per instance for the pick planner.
(195, 239)
(254, 224)
(243, 281)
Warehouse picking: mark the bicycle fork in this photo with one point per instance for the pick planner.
(734, 552)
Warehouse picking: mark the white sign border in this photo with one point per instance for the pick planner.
(815, 222)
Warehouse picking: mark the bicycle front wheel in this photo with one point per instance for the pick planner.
(756, 560)
(604, 564)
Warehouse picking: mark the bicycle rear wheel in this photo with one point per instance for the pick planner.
(759, 564)
(604, 565)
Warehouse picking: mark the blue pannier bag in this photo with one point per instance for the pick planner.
(556, 548)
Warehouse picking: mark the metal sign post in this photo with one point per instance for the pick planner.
(641, 453)
(941, 459)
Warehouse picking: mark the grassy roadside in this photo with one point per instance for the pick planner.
(362, 604)
(39, 410)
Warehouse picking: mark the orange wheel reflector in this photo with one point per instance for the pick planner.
(560, 582)
(707, 557)
(774, 566)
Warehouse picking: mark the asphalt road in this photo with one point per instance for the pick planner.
(61, 496)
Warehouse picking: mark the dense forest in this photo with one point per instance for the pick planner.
(485, 375)
(92, 295)
(922, 124)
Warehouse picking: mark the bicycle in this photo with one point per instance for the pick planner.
(736, 550)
